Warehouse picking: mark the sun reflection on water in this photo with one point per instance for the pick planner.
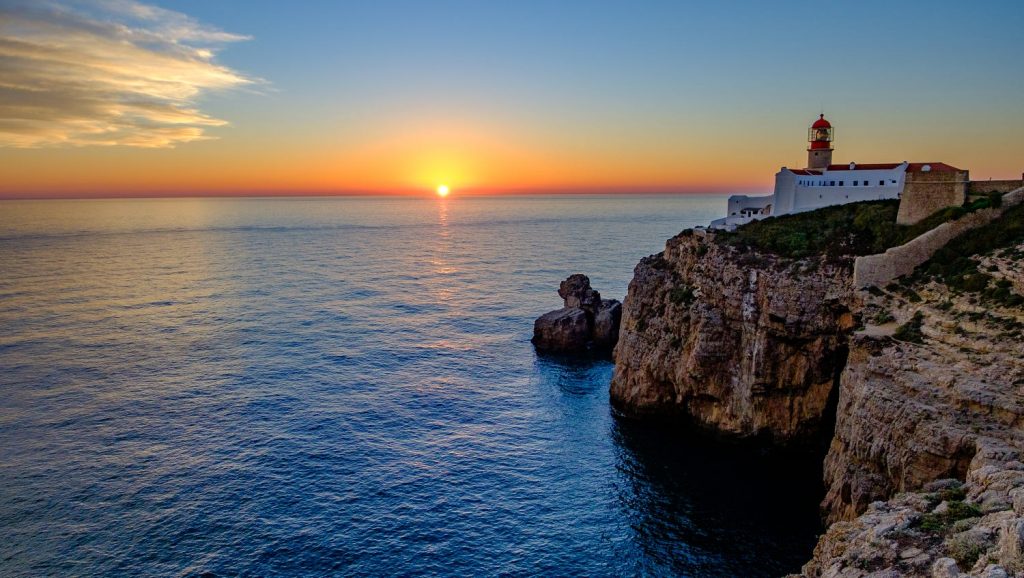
(441, 262)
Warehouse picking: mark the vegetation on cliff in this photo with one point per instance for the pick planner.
(925, 474)
(854, 229)
(957, 265)
(911, 330)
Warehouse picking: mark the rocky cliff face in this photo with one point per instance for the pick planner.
(740, 343)
(924, 471)
(935, 391)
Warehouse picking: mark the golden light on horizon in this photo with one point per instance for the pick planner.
(442, 190)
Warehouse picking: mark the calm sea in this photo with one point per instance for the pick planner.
(302, 387)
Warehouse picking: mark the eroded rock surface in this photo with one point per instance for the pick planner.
(563, 330)
(744, 344)
(946, 401)
(924, 470)
(586, 323)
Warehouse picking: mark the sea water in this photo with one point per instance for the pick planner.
(346, 386)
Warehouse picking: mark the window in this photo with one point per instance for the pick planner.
(881, 182)
(892, 181)
(831, 183)
(840, 183)
(855, 183)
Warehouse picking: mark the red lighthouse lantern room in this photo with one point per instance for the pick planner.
(819, 153)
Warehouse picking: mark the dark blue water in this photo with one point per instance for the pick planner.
(346, 386)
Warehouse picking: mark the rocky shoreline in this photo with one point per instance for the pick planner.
(915, 389)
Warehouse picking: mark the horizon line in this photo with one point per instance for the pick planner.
(49, 196)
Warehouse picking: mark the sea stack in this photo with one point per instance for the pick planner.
(585, 324)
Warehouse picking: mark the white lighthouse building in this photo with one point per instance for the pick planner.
(822, 183)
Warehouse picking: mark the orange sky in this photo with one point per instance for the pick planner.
(478, 159)
(279, 102)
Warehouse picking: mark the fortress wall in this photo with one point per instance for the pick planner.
(982, 187)
(880, 269)
(925, 193)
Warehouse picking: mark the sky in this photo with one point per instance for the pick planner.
(120, 98)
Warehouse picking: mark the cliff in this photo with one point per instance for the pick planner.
(924, 474)
(926, 378)
(738, 342)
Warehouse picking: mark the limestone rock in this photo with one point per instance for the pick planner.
(743, 344)
(924, 471)
(586, 324)
(932, 430)
(606, 324)
(945, 568)
(576, 292)
(562, 330)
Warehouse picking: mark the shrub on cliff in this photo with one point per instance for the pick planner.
(682, 295)
(954, 266)
(854, 229)
(911, 330)
(841, 230)
(967, 547)
(941, 521)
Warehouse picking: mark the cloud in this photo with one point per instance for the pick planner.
(106, 72)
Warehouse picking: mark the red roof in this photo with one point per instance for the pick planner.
(936, 168)
(804, 172)
(864, 167)
(821, 122)
(911, 167)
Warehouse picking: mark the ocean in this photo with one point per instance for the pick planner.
(346, 386)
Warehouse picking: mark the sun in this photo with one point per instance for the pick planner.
(442, 190)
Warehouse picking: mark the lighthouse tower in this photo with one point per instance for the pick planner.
(819, 153)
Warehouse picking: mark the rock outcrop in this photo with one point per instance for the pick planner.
(744, 344)
(924, 472)
(942, 402)
(586, 323)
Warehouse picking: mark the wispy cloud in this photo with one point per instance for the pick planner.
(106, 72)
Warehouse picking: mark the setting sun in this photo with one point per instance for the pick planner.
(442, 190)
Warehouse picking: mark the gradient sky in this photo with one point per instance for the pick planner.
(112, 97)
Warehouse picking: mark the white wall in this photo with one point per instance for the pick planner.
(785, 191)
(806, 198)
(737, 203)
(797, 193)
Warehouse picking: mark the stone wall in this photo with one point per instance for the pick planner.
(982, 187)
(880, 269)
(925, 193)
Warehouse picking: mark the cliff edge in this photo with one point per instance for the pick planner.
(925, 378)
(737, 342)
(924, 472)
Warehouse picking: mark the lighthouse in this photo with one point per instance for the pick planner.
(823, 184)
(819, 151)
